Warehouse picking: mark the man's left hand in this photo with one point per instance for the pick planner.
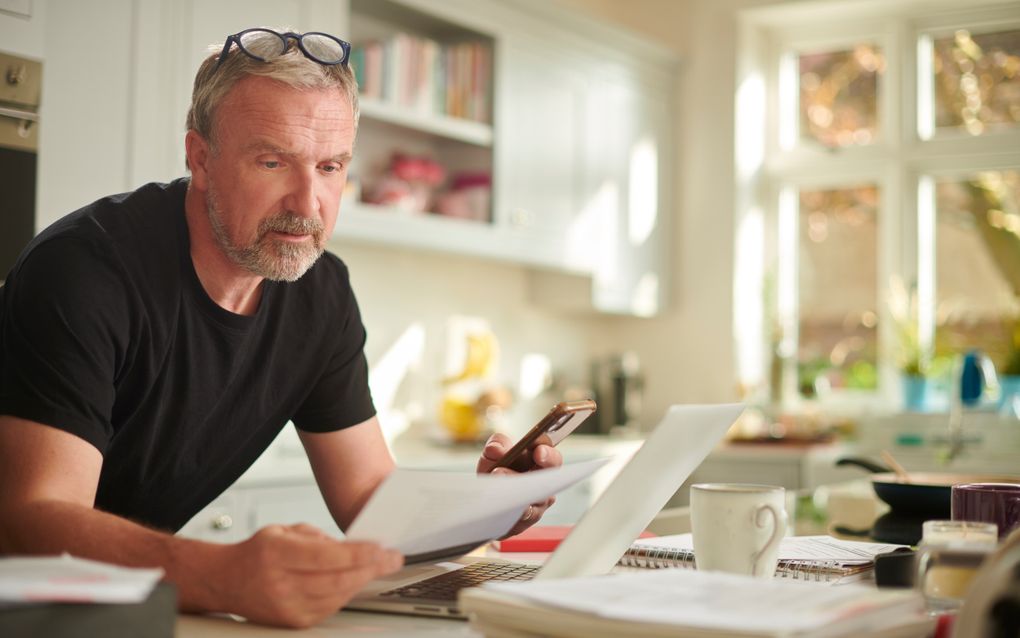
(542, 455)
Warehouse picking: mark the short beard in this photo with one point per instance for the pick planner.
(265, 257)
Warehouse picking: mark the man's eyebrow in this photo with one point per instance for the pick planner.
(261, 146)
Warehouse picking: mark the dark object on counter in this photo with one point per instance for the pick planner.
(927, 493)
(618, 383)
(895, 568)
(992, 607)
(901, 528)
(156, 617)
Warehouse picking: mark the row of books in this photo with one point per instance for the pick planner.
(426, 76)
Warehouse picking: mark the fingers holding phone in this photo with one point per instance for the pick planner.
(540, 455)
(535, 449)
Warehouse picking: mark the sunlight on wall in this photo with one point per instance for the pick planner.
(748, 299)
(607, 266)
(593, 226)
(643, 191)
(750, 131)
(536, 375)
(644, 302)
(388, 372)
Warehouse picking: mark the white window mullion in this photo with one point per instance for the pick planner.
(788, 256)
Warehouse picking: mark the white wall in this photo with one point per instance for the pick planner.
(688, 352)
(400, 290)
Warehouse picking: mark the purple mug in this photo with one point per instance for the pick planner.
(997, 503)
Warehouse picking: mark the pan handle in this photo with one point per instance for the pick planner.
(867, 464)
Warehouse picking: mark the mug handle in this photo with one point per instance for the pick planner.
(778, 530)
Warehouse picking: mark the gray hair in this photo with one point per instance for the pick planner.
(213, 83)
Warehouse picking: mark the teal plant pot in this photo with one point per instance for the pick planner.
(915, 393)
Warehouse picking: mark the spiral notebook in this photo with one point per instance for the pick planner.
(808, 558)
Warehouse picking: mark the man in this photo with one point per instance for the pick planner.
(154, 343)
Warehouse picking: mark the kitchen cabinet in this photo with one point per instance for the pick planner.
(579, 152)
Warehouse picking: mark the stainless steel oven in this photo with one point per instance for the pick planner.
(20, 89)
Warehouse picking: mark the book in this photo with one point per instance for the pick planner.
(540, 538)
(808, 558)
(680, 602)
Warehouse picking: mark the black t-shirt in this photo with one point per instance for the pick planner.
(107, 333)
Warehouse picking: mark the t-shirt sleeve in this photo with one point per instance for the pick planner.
(63, 310)
(341, 397)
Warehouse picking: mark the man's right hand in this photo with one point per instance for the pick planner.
(296, 576)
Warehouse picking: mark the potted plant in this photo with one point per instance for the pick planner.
(913, 360)
(1009, 374)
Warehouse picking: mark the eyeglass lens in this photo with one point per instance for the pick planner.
(267, 45)
(323, 48)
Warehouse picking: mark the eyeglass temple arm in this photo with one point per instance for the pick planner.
(226, 49)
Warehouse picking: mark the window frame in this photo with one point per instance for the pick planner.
(899, 162)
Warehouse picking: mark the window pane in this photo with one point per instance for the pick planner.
(977, 263)
(839, 96)
(838, 290)
(977, 81)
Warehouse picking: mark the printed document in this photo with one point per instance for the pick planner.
(419, 512)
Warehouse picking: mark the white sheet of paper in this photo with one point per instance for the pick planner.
(420, 511)
(69, 579)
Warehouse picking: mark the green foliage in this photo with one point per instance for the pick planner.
(1012, 365)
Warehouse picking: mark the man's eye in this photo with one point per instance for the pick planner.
(330, 168)
(271, 164)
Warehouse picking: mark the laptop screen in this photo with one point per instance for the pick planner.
(670, 454)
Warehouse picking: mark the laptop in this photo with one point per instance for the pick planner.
(670, 453)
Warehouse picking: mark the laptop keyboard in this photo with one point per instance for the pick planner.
(445, 586)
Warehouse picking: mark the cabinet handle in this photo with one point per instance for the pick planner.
(222, 522)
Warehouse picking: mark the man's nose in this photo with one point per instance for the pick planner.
(302, 194)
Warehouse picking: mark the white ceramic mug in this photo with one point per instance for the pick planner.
(737, 527)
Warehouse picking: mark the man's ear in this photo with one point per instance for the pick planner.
(197, 151)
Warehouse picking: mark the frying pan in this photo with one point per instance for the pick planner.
(927, 493)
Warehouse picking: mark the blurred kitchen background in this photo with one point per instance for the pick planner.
(809, 206)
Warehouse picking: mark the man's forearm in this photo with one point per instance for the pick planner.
(53, 527)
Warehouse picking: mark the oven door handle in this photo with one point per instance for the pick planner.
(18, 114)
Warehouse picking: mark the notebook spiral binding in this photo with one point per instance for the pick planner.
(651, 557)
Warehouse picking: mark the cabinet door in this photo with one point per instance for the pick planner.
(222, 521)
(287, 505)
(540, 120)
(628, 178)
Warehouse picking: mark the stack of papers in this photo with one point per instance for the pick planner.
(678, 602)
(68, 579)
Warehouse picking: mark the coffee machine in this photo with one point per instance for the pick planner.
(617, 384)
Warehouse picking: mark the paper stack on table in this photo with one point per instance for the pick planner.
(37, 579)
(680, 602)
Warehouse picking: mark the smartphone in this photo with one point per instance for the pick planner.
(561, 421)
